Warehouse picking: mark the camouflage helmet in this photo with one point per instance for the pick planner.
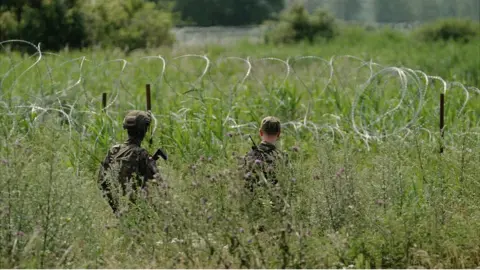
(136, 120)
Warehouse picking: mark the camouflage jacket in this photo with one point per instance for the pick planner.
(262, 161)
(129, 165)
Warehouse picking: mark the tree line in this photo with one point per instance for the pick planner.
(396, 11)
(81, 23)
(134, 24)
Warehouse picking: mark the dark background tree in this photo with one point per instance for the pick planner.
(227, 12)
(54, 24)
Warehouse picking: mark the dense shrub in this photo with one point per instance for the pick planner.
(8, 25)
(297, 24)
(128, 24)
(450, 29)
(54, 23)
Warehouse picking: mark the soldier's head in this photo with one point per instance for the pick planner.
(270, 129)
(136, 123)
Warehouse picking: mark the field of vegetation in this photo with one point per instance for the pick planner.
(360, 117)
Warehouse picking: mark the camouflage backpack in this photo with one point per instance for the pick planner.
(130, 160)
(125, 168)
(261, 163)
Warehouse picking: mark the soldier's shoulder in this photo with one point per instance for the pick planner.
(142, 152)
(114, 149)
(254, 153)
(134, 148)
(275, 154)
(250, 157)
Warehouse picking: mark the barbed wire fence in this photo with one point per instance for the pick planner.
(377, 101)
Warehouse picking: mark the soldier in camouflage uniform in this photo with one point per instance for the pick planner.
(127, 167)
(261, 162)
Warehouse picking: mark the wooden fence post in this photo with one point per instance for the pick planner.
(104, 101)
(442, 120)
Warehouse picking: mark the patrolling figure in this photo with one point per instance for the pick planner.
(261, 163)
(127, 167)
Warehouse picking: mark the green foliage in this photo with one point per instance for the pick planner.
(129, 24)
(227, 12)
(40, 25)
(55, 24)
(8, 25)
(298, 25)
(450, 29)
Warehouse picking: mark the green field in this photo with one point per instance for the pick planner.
(368, 189)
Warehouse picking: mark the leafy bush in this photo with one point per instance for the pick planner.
(297, 25)
(128, 24)
(8, 25)
(131, 24)
(450, 29)
(53, 23)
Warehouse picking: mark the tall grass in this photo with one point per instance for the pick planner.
(367, 187)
